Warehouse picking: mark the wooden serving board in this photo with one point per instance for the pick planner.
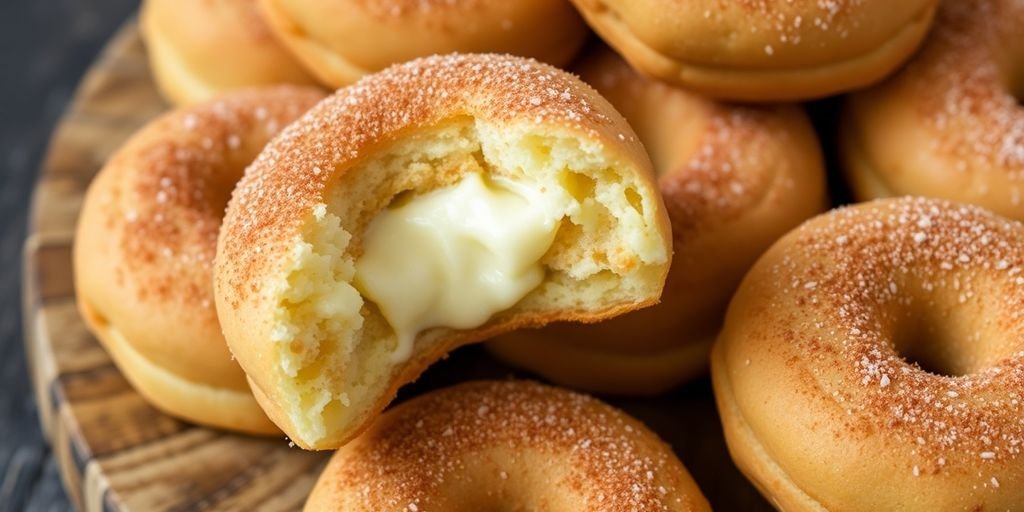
(117, 453)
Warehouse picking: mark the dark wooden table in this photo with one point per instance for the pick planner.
(45, 46)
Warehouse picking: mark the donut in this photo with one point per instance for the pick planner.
(144, 249)
(734, 179)
(949, 125)
(873, 359)
(200, 48)
(757, 50)
(434, 204)
(330, 36)
(512, 445)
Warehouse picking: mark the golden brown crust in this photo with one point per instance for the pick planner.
(300, 168)
(758, 50)
(146, 239)
(329, 35)
(948, 125)
(734, 179)
(821, 407)
(519, 445)
(200, 48)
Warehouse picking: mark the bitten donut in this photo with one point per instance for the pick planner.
(873, 359)
(757, 50)
(331, 36)
(144, 250)
(734, 179)
(437, 203)
(505, 446)
(200, 48)
(948, 125)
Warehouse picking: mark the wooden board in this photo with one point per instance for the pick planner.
(118, 453)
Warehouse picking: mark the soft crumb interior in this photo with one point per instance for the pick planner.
(334, 346)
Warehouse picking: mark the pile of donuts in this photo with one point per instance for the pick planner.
(617, 196)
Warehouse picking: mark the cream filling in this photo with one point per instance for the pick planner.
(455, 256)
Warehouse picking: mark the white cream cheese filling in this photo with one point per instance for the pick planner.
(455, 256)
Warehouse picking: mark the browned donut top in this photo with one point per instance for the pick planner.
(289, 178)
(717, 182)
(174, 180)
(739, 154)
(250, 17)
(962, 74)
(786, 20)
(856, 273)
(610, 458)
(760, 33)
(418, 8)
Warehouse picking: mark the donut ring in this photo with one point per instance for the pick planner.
(948, 125)
(873, 359)
(734, 179)
(762, 50)
(512, 445)
(324, 353)
(144, 250)
(330, 36)
(201, 48)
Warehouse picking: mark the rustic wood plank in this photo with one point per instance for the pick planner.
(79, 350)
(68, 455)
(115, 452)
(52, 253)
(191, 472)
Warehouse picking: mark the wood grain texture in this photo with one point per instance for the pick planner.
(117, 453)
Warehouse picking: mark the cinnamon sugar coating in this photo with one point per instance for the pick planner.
(889, 337)
(145, 246)
(323, 358)
(519, 444)
(950, 124)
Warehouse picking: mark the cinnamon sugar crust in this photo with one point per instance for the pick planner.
(464, 447)
(897, 329)
(145, 245)
(950, 124)
(320, 356)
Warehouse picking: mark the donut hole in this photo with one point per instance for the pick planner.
(1018, 90)
(945, 332)
(927, 345)
(526, 485)
(1014, 84)
(338, 350)
(1012, 73)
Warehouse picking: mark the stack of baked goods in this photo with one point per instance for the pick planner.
(614, 217)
